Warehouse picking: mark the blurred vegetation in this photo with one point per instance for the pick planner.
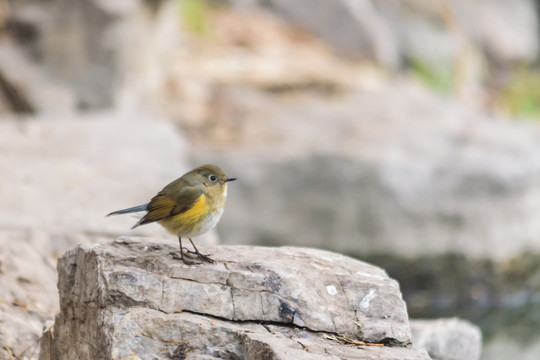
(439, 79)
(194, 16)
(521, 96)
(518, 97)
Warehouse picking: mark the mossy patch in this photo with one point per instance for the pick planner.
(439, 79)
(521, 95)
(194, 15)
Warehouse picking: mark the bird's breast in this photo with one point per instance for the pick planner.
(200, 218)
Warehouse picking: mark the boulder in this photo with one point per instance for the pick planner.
(352, 27)
(506, 31)
(63, 176)
(385, 170)
(447, 339)
(131, 299)
(89, 54)
(60, 178)
(431, 32)
(36, 90)
(503, 347)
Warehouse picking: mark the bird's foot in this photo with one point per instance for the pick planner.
(206, 258)
(184, 260)
(202, 257)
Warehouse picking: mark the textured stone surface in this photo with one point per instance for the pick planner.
(448, 339)
(192, 336)
(28, 296)
(132, 290)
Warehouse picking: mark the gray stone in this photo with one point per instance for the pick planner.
(130, 298)
(28, 296)
(503, 347)
(352, 27)
(432, 32)
(39, 88)
(438, 32)
(448, 339)
(104, 53)
(76, 172)
(388, 170)
(192, 336)
(59, 180)
(506, 30)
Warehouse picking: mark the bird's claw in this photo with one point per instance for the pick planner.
(180, 257)
(202, 257)
(206, 258)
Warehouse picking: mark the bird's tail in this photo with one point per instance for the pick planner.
(129, 210)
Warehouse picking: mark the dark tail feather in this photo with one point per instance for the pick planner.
(130, 210)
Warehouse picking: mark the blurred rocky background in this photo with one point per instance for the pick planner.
(401, 132)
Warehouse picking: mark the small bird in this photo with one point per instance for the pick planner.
(189, 206)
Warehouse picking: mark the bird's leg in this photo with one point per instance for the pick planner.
(202, 257)
(181, 257)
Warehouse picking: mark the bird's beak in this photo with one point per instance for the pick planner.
(229, 179)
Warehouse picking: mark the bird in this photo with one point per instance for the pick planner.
(189, 206)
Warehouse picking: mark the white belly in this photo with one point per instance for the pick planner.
(209, 223)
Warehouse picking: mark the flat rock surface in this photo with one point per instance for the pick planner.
(271, 299)
(319, 290)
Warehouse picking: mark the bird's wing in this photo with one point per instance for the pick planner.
(163, 206)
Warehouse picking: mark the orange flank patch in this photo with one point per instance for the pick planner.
(188, 221)
(196, 212)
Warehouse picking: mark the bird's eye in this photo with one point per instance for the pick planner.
(212, 177)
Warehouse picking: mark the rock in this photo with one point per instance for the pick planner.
(506, 30)
(435, 32)
(432, 32)
(497, 296)
(351, 27)
(447, 339)
(256, 49)
(105, 53)
(76, 172)
(387, 170)
(130, 298)
(42, 93)
(192, 336)
(28, 296)
(502, 347)
(59, 179)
